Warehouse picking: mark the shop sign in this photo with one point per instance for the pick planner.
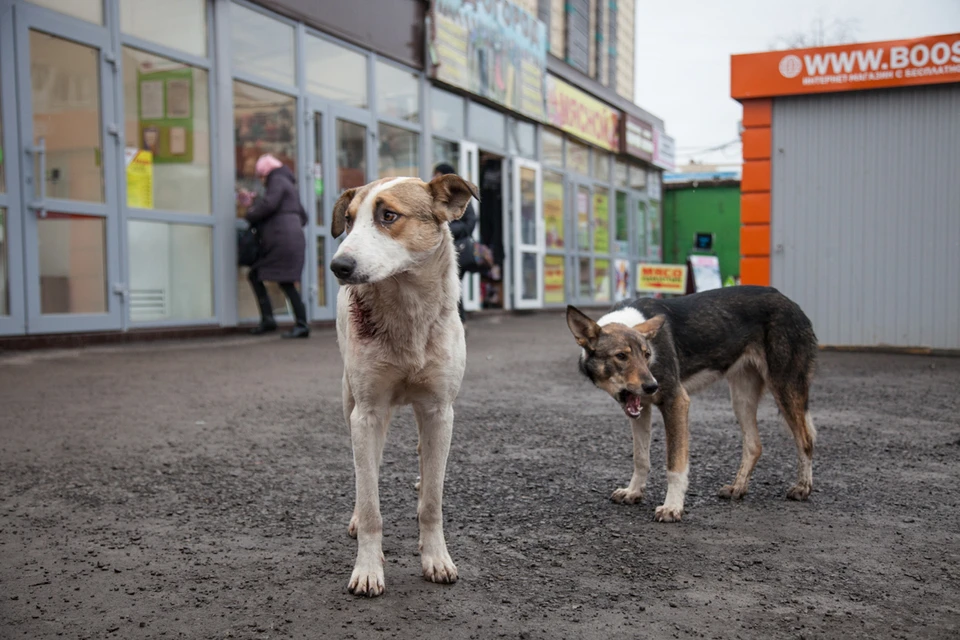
(662, 278)
(491, 48)
(637, 138)
(706, 272)
(663, 151)
(846, 67)
(577, 113)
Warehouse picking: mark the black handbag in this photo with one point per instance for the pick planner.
(248, 247)
(472, 256)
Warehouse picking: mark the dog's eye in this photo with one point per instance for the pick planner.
(390, 216)
(622, 356)
(646, 354)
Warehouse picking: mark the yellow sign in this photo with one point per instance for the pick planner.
(553, 283)
(584, 116)
(140, 179)
(662, 278)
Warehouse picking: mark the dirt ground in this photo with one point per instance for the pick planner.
(203, 489)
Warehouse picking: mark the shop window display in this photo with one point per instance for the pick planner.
(399, 152)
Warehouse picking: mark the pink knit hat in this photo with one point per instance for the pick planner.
(265, 164)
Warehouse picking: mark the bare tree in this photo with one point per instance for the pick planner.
(822, 32)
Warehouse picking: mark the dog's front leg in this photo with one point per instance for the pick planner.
(435, 422)
(641, 460)
(675, 411)
(368, 431)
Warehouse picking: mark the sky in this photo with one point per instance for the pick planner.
(683, 50)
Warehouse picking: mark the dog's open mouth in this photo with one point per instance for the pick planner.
(631, 403)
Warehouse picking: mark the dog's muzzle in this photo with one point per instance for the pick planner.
(345, 268)
(633, 402)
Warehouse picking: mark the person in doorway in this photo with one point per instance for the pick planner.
(279, 218)
(461, 228)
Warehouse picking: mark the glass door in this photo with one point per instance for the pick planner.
(69, 147)
(581, 217)
(469, 169)
(528, 247)
(319, 205)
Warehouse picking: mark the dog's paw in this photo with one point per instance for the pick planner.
(626, 496)
(416, 485)
(352, 527)
(439, 568)
(366, 581)
(668, 513)
(799, 491)
(730, 492)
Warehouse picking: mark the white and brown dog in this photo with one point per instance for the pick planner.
(402, 343)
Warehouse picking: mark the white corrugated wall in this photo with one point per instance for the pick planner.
(866, 214)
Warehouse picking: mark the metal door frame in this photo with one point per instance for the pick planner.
(15, 321)
(538, 249)
(27, 18)
(470, 169)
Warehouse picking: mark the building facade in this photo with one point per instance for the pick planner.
(127, 128)
(850, 201)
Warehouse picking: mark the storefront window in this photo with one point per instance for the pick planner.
(638, 177)
(552, 148)
(601, 166)
(335, 72)
(554, 283)
(623, 224)
(316, 172)
(398, 93)
(553, 209)
(167, 110)
(178, 24)
(261, 46)
(578, 157)
(4, 262)
(89, 10)
(642, 229)
(601, 281)
(586, 279)
(399, 152)
(446, 113)
(351, 155)
(583, 218)
(3, 183)
(523, 139)
(264, 122)
(601, 220)
(487, 127)
(620, 174)
(653, 233)
(171, 271)
(445, 151)
(528, 208)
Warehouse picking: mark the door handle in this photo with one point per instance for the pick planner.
(40, 151)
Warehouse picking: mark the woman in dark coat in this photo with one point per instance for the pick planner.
(461, 227)
(279, 218)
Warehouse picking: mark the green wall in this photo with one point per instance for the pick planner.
(704, 209)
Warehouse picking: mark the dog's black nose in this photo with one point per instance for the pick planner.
(650, 388)
(343, 266)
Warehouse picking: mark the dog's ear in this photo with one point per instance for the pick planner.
(340, 212)
(650, 328)
(450, 194)
(585, 330)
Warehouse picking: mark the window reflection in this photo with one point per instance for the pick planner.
(399, 152)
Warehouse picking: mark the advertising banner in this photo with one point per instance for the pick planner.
(491, 48)
(582, 115)
(663, 151)
(553, 280)
(662, 278)
(846, 67)
(637, 138)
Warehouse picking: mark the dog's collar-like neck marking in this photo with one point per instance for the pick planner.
(422, 302)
